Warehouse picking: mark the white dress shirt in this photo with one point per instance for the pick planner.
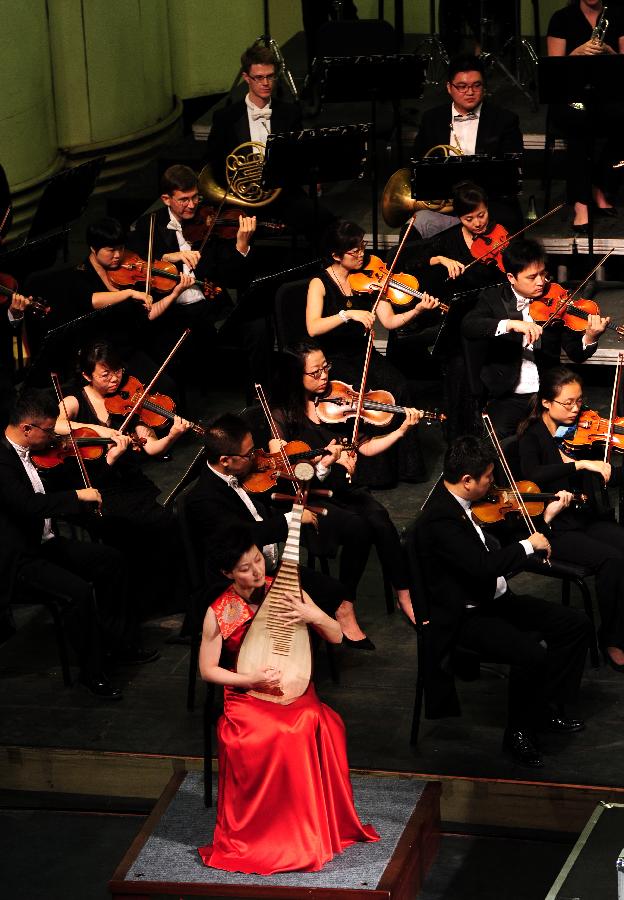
(191, 294)
(35, 480)
(259, 118)
(463, 132)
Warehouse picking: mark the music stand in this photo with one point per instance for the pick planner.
(434, 177)
(586, 80)
(29, 256)
(315, 155)
(372, 77)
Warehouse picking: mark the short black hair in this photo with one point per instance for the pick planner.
(106, 232)
(467, 196)
(467, 455)
(342, 236)
(520, 254)
(224, 436)
(258, 55)
(98, 352)
(178, 178)
(465, 62)
(33, 406)
(228, 545)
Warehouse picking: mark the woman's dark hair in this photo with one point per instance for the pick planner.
(98, 352)
(288, 392)
(520, 254)
(466, 197)
(467, 455)
(228, 546)
(106, 233)
(551, 383)
(340, 237)
(465, 63)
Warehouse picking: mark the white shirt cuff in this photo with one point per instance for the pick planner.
(288, 517)
(501, 328)
(528, 547)
(321, 471)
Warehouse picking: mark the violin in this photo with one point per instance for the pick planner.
(378, 407)
(154, 409)
(501, 502)
(164, 275)
(592, 428)
(488, 247)
(8, 287)
(269, 467)
(402, 289)
(558, 305)
(91, 446)
(209, 221)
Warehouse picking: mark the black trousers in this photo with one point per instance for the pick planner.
(601, 547)
(95, 616)
(509, 630)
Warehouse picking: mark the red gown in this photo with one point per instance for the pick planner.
(285, 801)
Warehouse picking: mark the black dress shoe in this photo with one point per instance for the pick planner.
(363, 644)
(521, 745)
(581, 230)
(606, 212)
(101, 688)
(561, 724)
(135, 656)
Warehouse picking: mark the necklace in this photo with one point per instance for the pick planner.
(349, 302)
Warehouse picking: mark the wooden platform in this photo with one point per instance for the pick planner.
(163, 860)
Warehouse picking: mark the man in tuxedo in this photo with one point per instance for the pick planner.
(510, 346)
(90, 578)
(218, 500)
(472, 124)
(472, 606)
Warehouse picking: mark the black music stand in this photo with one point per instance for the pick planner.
(315, 155)
(586, 80)
(372, 77)
(28, 256)
(434, 177)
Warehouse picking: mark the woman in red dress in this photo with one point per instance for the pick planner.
(285, 800)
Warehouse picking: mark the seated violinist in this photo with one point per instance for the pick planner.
(354, 519)
(221, 263)
(340, 320)
(132, 519)
(472, 606)
(517, 349)
(589, 536)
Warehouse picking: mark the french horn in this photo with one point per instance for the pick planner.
(397, 203)
(243, 176)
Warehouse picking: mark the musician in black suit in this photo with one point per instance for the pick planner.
(34, 556)
(218, 500)
(472, 124)
(513, 348)
(253, 119)
(472, 606)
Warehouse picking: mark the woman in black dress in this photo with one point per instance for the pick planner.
(340, 320)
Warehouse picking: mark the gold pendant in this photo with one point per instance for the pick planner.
(349, 304)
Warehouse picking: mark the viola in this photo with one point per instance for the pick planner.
(164, 275)
(592, 428)
(89, 443)
(501, 502)
(269, 467)
(557, 305)
(209, 221)
(8, 287)
(154, 409)
(377, 409)
(488, 247)
(402, 289)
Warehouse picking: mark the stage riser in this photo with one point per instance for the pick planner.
(504, 804)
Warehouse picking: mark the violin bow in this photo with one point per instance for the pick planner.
(4, 219)
(570, 298)
(371, 335)
(81, 463)
(153, 381)
(508, 474)
(266, 409)
(150, 255)
(516, 234)
(614, 398)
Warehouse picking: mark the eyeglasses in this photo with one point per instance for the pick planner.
(186, 201)
(570, 404)
(357, 251)
(318, 373)
(463, 88)
(247, 455)
(41, 428)
(262, 79)
(109, 376)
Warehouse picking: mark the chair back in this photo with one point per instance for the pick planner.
(290, 310)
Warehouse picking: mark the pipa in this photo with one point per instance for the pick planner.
(272, 642)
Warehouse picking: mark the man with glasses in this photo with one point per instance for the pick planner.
(514, 348)
(472, 124)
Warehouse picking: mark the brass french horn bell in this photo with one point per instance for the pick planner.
(243, 176)
(397, 203)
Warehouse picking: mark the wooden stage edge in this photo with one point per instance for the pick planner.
(486, 802)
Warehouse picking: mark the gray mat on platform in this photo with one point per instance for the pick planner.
(170, 854)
